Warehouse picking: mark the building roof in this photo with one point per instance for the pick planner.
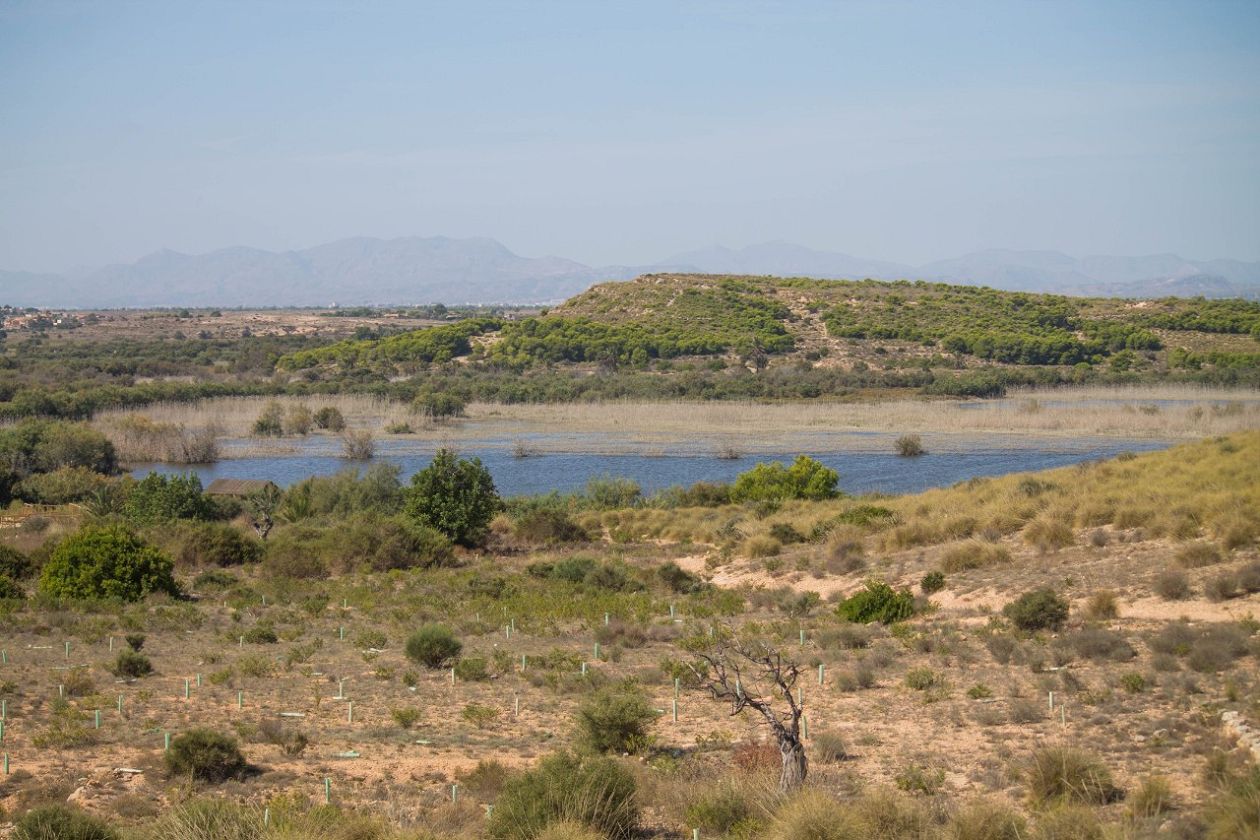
(237, 486)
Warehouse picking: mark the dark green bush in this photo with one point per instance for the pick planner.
(205, 755)
(455, 496)
(932, 582)
(160, 498)
(10, 589)
(218, 544)
(132, 665)
(15, 564)
(678, 579)
(609, 493)
(106, 562)
(433, 645)
(472, 669)
(877, 602)
(135, 641)
(594, 791)
(260, 634)
(330, 419)
(1040, 609)
(61, 822)
(615, 718)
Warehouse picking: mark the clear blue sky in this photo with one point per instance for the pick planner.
(624, 132)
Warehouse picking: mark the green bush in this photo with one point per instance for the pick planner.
(548, 526)
(1172, 585)
(455, 496)
(609, 493)
(15, 564)
(270, 422)
(813, 815)
(909, 446)
(330, 419)
(1040, 609)
(131, 664)
(932, 583)
(260, 634)
(205, 755)
(723, 810)
(472, 669)
(218, 544)
(615, 718)
(106, 562)
(160, 498)
(877, 602)
(62, 486)
(982, 819)
(433, 645)
(1235, 811)
(10, 589)
(209, 819)
(805, 479)
(678, 579)
(61, 822)
(592, 791)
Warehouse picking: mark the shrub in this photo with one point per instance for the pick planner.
(1064, 775)
(973, 554)
(921, 679)
(330, 419)
(161, 498)
(61, 822)
(761, 546)
(592, 791)
(983, 819)
(209, 819)
(135, 641)
(909, 446)
(678, 579)
(439, 405)
(455, 496)
(1040, 609)
(1221, 587)
(1216, 646)
(829, 747)
(1248, 578)
(1153, 798)
(877, 602)
(433, 645)
(106, 562)
(406, 717)
(298, 420)
(218, 544)
(1198, 555)
(357, 446)
(205, 755)
(1100, 643)
(609, 493)
(1048, 535)
(132, 665)
(1235, 811)
(10, 590)
(14, 564)
(270, 422)
(813, 815)
(1069, 822)
(568, 830)
(62, 486)
(615, 718)
(1172, 585)
(1102, 605)
(260, 634)
(472, 669)
(548, 526)
(723, 810)
(805, 479)
(1133, 682)
(932, 583)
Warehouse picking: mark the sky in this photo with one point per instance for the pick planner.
(624, 132)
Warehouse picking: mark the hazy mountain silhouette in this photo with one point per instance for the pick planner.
(481, 270)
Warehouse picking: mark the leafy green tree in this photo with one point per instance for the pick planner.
(805, 479)
(159, 498)
(454, 496)
(107, 562)
(1038, 609)
(616, 719)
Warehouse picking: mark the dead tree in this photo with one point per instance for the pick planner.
(733, 671)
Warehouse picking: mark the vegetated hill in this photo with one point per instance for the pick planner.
(862, 333)
(1157, 275)
(349, 271)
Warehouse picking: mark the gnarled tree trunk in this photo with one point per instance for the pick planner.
(795, 764)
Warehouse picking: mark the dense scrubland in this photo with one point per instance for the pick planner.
(1044, 655)
(1065, 654)
(658, 337)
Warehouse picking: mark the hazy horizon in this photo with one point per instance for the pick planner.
(625, 133)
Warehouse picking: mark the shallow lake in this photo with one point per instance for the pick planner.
(860, 472)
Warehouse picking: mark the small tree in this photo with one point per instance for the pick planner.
(754, 675)
(261, 508)
(805, 479)
(205, 755)
(615, 719)
(454, 496)
(107, 562)
(160, 498)
(1039, 609)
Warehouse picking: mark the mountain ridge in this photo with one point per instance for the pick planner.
(412, 270)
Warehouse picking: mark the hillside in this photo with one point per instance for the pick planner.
(875, 333)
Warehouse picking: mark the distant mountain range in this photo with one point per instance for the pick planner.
(480, 270)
